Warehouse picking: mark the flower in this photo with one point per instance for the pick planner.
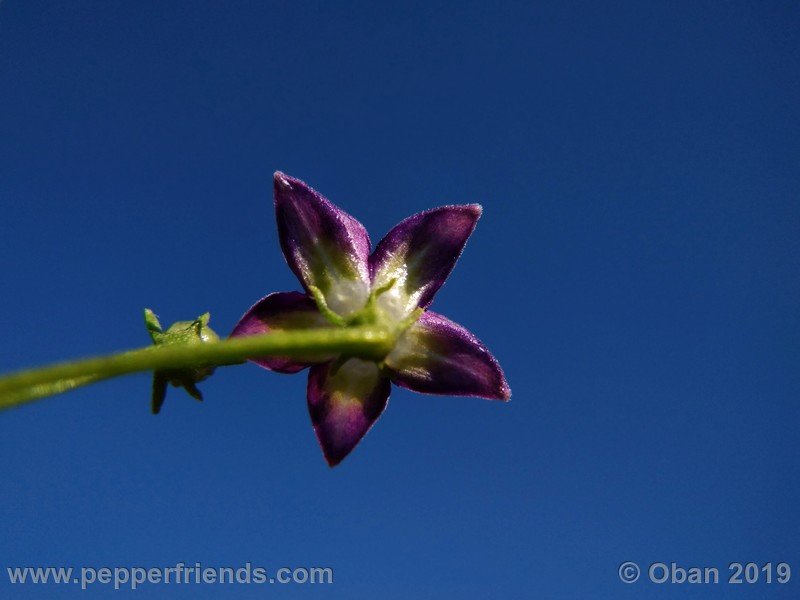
(329, 252)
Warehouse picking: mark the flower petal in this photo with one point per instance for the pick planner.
(420, 252)
(281, 311)
(437, 356)
(324, 246)
(344, 402)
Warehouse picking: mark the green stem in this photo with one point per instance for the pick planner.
(25, 386)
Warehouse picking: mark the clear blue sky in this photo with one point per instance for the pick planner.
(635, 272)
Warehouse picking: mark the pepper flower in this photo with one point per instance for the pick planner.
(346, 284)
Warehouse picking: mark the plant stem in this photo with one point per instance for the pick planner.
(25, 386)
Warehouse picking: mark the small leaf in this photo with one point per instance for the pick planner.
(159, 393)
(152, 324)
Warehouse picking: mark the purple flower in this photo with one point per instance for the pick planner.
(345, 284)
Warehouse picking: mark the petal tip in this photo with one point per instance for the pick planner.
(333, 461)
(501, 393)
(475, 209)
(282, 180)
(333, 455)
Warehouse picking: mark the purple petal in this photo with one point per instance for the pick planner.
(281, 311)
(344, 402)
(324, 246)
(437, 356)
(421, 251)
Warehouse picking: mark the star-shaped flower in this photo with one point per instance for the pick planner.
(393, 286)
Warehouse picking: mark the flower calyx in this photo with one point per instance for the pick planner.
(179, 333)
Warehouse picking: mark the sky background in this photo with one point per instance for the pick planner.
(636, 272)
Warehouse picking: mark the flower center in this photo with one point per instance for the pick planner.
(384, 308)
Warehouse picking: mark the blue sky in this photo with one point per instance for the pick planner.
(635, 272)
